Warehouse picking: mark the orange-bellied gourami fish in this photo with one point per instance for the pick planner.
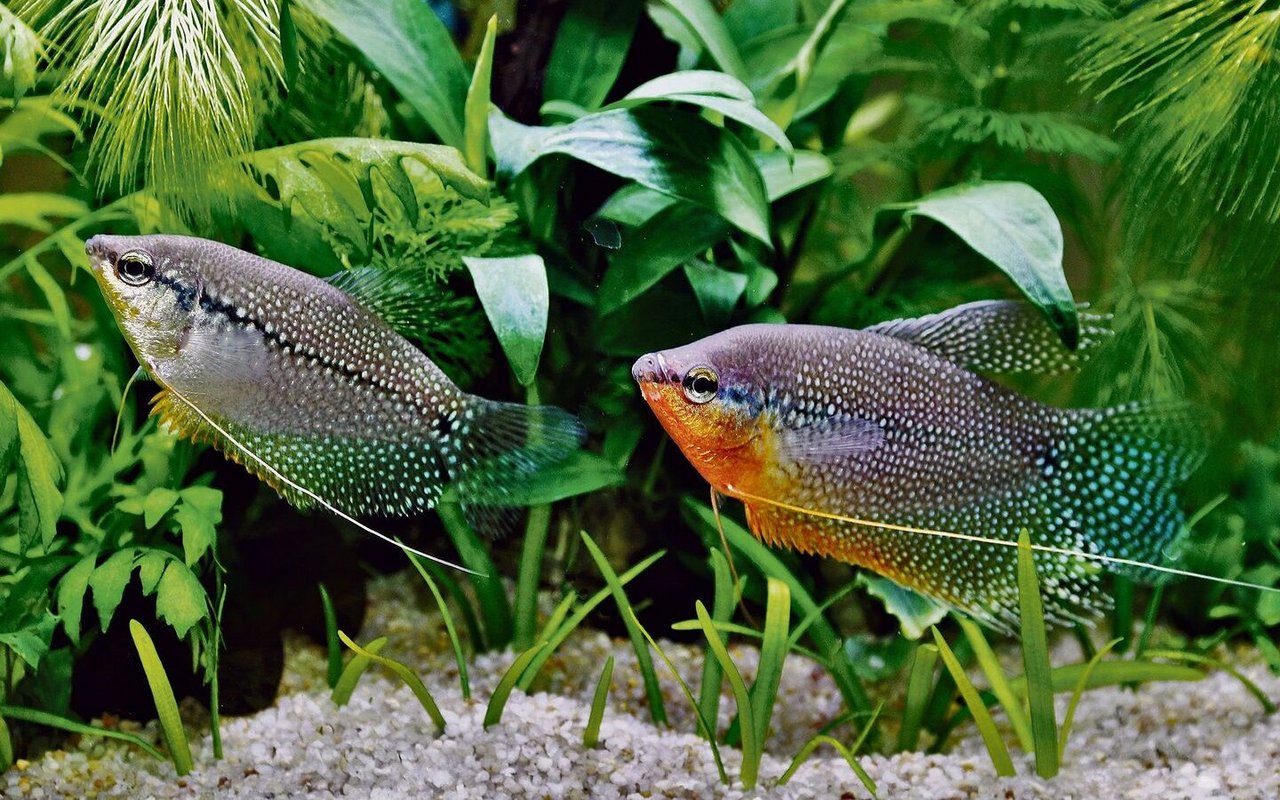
(853, 443)
(310, 385)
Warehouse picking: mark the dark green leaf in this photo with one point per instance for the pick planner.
(589, 50)
(515, 297)
(1012, 225)
(649, 253)
(771, 56)
(409, 46)
(32, 642)
(664, 149)
(747, 19)
(717, 290)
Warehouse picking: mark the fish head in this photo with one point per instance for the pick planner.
(153, 287)
(709, 397)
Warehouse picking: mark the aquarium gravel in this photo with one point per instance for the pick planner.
(1197, 740)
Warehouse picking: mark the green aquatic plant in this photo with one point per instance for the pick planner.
(175, 735)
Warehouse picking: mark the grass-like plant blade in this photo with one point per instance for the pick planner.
(450, 628)
(1035, 661)
(591, 736)
(773, 655)
(644, 661)
(162, 693)
(498, 700)
(551, 632)
(1112, 673)
(825, 638)
(919, 686)
(491, 595)
(1000, 687)
(215, 712)
(475, 116)
(38, 717)
(849, 754)
(575, 619)
(705, 726)
(746, 718)
(355, 668)
(405, 674)
(6, 746)
(1083, 681)
(444, 578)
(721, 611)
(996, 748)
(1195, 658)
(334, 648)
(532, 550)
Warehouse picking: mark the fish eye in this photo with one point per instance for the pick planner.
(700, 385)
(135, 268)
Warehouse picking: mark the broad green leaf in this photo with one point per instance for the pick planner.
(716, 290)
(476, 114)
(1012, 225)
(714, 91)
(38, 471)
(580, 473)
(513, 291)
(652, 251)
(664, 149)
(914, 611)
(783, 175)
(70, 597)
(108, 583)
(590, 46)
(699, 17)
(157, 504)
(410, 47)
(635, 205)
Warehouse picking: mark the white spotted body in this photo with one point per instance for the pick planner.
(310, 388)
(891, 425)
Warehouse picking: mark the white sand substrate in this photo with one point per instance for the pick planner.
(1208, 739)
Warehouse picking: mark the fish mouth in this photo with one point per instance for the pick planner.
(100, 251)
(652, 368)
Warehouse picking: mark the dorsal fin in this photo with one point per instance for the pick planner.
(400, 297)
(998, 336)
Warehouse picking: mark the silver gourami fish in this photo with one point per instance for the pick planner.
(308, 383)
(853, 443)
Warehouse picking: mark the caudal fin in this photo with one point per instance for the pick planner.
(1121, 469)
(504, 446)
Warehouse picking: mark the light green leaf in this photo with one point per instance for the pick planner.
(590, 47)
(181, 600)
(38, 470)
(34, 210)
(652, 251)
(513, 291)
(198, 518)
(410, 47)
(108, 583)
(476, 114)
(714, 91)
(157, 504)
(1012, 225)
(70, 597)
(914, 611)
(22, 52)
(664, 149)
(747, 19)
(699, 17)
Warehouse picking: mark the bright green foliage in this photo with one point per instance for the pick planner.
(175, 736)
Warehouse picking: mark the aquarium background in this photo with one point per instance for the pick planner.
(672, 168)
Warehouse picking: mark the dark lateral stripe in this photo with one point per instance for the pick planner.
(186, 295)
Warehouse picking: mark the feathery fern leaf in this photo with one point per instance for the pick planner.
(179, 88)
(1036, 131)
